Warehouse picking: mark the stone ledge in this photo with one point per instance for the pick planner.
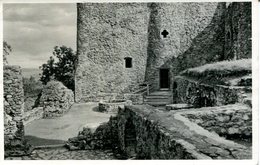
(229, 120)
(144, 132)
(176, 127)
(177, 106)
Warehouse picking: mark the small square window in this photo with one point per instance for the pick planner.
(128, 62)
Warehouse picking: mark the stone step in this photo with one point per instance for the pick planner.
(158, 103)
(157, 99)
(151, 102)
(160, 93)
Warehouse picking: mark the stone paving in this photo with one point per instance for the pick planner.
(64, 154)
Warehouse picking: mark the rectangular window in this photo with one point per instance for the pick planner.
(128, 62)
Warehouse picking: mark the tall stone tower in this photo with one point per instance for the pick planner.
(112, 48)
(121, 45)
(171, 31)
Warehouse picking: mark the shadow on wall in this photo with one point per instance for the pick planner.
(209, 46)
(206, 47)
(153, 42)
(130, 139)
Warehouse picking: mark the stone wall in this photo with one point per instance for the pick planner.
(13, 112)
(56, 99)
(122, 32)
(201, 95)
(226, 36)
(193, 28)
(168, 136)
(112, 106)
(234, 120)
(143, 132)
(198, 33)
(104, 137)
(238, 31)
(107, 34)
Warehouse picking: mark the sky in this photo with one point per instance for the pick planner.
(33, 30)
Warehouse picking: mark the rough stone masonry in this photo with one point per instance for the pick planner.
(56, 99)
(108, 34)
(143, 132)
(13, 112)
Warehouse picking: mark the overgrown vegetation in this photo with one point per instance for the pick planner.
(63, 70)
(31, 87)
(60, 67)
(220, 72)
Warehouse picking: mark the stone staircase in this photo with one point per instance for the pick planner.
(159, 98)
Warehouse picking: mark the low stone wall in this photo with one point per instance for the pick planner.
(169, 136)
(231, 120)
(99, 96)
(56, 99)
(104, 137)
(135, 98)
(14, 142)
(112, 105)
(34, 114)
(143, 132)
(203, 95)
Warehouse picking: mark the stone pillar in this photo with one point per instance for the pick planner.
(14, 143)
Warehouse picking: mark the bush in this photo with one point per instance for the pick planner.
(63, 70)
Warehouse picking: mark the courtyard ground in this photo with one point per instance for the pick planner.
(58, 130)
(55, 132)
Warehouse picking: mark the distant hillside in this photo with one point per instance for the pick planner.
(28, 72)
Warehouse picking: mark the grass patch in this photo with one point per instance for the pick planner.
(220, 72)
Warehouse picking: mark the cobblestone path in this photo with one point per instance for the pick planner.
(64, 154)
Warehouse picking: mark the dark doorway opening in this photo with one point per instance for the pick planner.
(164, 78)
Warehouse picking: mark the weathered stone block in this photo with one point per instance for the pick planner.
(112, 106)
(135, 98)
(56, 99)
(177, 106)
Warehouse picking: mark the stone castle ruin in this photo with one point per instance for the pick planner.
(176, 78)
(123, 45)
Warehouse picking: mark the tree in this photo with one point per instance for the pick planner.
(6, 51)
(63, 70)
